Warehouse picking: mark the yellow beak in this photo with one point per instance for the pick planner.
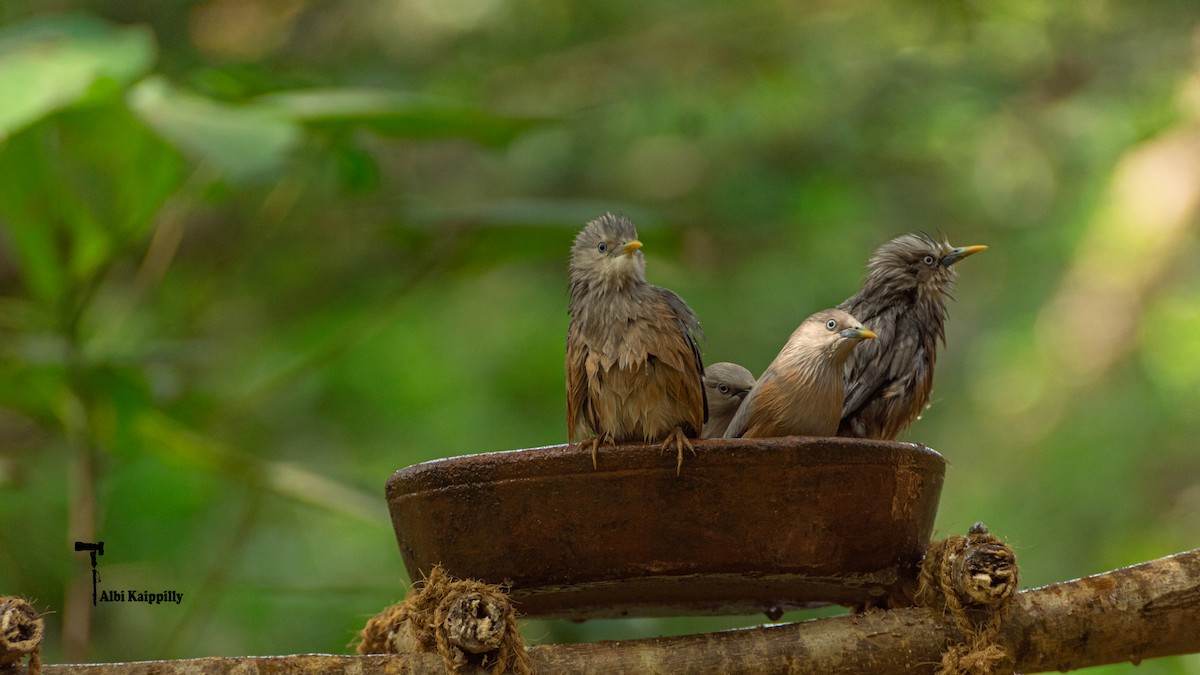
(631, 246)
(960, 253)
(858, 333)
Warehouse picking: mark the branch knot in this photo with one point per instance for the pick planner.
(466, 622)
(973, 578)
(21, 633)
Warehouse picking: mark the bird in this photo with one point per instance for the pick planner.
(888, 382)
(725, 386)
(634, 370)
(801, 392)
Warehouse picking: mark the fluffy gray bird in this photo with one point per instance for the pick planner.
(888, 382)
(801, 392)
(725, 386)
(633, 365)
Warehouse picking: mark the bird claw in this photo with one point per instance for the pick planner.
(680, 440)
(596, 446)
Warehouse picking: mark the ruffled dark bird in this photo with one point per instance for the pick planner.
(889, 381)
(725, 386)
(633, 366)
(801, 392)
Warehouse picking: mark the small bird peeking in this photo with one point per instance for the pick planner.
(633, 366)
(889, 381)
(801, 392)
(725, 386)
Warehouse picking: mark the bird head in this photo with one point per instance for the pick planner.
(607, 252)
(726, 381)
(916, 262)
(834, 332)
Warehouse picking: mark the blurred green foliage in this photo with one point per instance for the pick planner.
(258, 254)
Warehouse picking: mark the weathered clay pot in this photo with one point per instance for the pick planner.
(749, 525)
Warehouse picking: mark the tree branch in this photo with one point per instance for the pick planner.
(1134, 613)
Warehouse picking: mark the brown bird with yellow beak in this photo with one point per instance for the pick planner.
(801, 392)
(633, 365)
(889, 382)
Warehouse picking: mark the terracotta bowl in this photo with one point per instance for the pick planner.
(749, 525)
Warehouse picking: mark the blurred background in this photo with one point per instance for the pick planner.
(256, 255)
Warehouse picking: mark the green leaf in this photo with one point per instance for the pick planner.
(81, 187)
(122, 173)
(242, 142)
(34, 389)
(50, 63)
(397, 114)
(27, 208)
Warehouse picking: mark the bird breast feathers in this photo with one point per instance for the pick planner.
(627, 332)
(640, 343)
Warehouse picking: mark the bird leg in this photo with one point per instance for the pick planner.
(599, 438)
(680, 440)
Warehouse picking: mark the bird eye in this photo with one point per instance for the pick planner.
(602, 247)
(724, 389)
(831, 324)
(928, 260)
